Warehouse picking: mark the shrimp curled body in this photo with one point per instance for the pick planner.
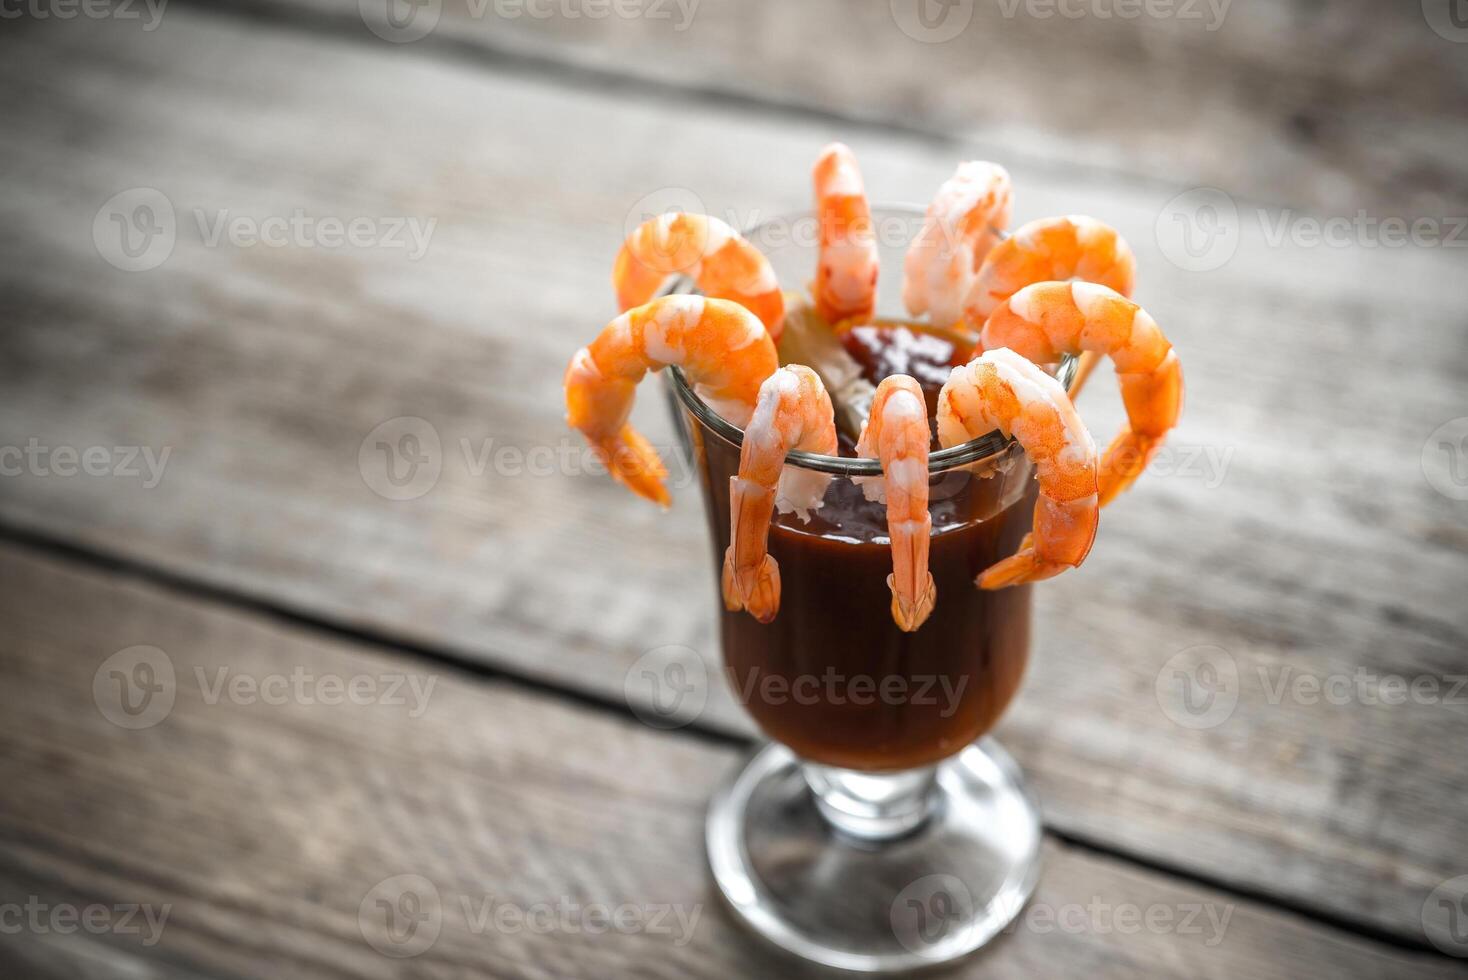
(1002, 390)
(1049, 319)
(897, 434)
(1052, 249)
(723, 349)
(1064, 248)
(846, 278)
(793, 412)
(962, 225)
(717, 258)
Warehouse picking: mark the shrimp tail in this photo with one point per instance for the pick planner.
(913, 591)
(751, 578)
(911, 612)
(733, 601)
(630, 458)
(1124, 461)
(762, 598)
(1023, 566)
(1153, 401)
(1065, 531)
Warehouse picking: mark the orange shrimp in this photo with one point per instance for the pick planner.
(720, 261)
(963, 223)
(793, 412)
(1002, 390)
(846, 278)
(1049, 319)
(721, 346)
(1068, 247)
(1047, 249)
(897, 433)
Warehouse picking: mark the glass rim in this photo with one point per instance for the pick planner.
(984, 447)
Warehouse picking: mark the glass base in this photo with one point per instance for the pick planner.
(876, 873)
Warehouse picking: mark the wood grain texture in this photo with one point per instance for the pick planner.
(265, 828)
(1362, 107)
(1317, 549)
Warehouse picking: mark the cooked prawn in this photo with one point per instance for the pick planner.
(1067, 247)
(963, 223)
(1049, 319)
(722, 347)
(896, 433)
(1047, 249)
(1002, 390)
(720, 261)
(846, 278)
(793, 412)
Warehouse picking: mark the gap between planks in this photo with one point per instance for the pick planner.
(185, 587)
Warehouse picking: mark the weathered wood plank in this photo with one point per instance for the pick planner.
(77, 955)
(1256, 98)
(256, 829)
(1318, 550)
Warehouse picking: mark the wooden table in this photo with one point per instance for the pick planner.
(355, 681)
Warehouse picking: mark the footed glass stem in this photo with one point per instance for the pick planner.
(876, 873)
